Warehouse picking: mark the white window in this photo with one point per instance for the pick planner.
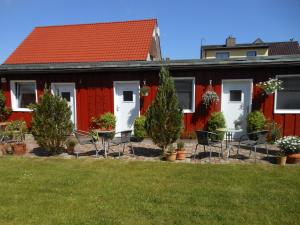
(222, 55)
(251, 53)
(288, 99)
(185, 90)
(23, 93)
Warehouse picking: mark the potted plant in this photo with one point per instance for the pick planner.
(180, 151)
(281, 158)
(171, 154)
(209, 97)
(144, 91)
(290, 145)
(270, 86)
(106, 121)
(16, 131)
(70, 146)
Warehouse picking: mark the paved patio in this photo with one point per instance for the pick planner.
(146, 150)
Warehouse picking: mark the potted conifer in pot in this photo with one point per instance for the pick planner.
(281, 158)
(16, 131)
(180, 151)
(171, 154)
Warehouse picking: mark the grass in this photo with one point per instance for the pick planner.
(58, 191)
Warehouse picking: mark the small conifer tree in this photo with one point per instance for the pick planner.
(164, 116)
(51, 122)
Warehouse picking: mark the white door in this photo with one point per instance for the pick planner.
(236, 103)
(66, 91)
(126, 104)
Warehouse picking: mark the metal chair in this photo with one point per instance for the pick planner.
(124, 139)
(84, 138)
(210, 139)
(252, 140)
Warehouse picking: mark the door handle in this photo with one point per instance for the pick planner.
(118, 108)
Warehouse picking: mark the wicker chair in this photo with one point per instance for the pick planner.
(124, 139)
(84, 138)
(252, 140)
(209, 139)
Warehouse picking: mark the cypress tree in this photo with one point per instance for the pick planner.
(51, 122)
(164, 116)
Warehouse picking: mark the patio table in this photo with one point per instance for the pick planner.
(228, 138)
(105, 138)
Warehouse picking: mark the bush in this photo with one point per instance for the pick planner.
(16, 130)
(4, 111)
(274, 131)
(255, 121)
(139, 128)
(164, 116)
(217, 120)
(106, 121)
(51, 122)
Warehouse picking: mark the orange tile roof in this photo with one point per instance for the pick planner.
(99, 42)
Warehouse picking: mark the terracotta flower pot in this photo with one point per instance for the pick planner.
(171, 156)
(293, 158)
(19, 148)
(180, 154)
(281, 160)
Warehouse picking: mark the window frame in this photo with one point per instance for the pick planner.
(222, 52)
(14, 100)
(285, 111)
(251, 55)
(192, 110)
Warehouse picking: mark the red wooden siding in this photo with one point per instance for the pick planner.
(94, 93)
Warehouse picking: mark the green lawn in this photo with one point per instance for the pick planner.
(57, 191)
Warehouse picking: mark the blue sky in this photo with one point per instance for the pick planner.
(183, 23)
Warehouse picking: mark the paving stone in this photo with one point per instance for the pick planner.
(147, 151)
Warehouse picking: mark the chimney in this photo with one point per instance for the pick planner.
(230, 41)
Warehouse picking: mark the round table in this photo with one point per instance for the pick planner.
(105, 137)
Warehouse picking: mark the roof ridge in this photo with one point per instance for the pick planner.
(87, 24)
(275, 42)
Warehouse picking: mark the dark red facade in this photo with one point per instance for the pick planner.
(94, 92)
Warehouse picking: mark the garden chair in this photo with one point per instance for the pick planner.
(252, 140)
(124, 139)
(209, 139)
(84, 138)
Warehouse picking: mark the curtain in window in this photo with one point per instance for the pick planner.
(25, 93)
(184, 91)
(289, 97)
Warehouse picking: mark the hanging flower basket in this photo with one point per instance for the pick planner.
(210, 97)
(144, 91)
(270, 86)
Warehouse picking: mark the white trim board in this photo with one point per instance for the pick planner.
(284, 111)
(14, 98)
(193, 94)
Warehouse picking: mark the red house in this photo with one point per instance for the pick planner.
(100, 67)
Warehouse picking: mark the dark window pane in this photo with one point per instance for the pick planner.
(66, 95)
(25, 94)
(235, 95)
(184, 91)
(127, 96)
(251, 53)
(222, 55)
(289, 97)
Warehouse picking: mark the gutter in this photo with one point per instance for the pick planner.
(267, 61)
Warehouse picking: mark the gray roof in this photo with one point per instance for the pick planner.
(266, 61)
